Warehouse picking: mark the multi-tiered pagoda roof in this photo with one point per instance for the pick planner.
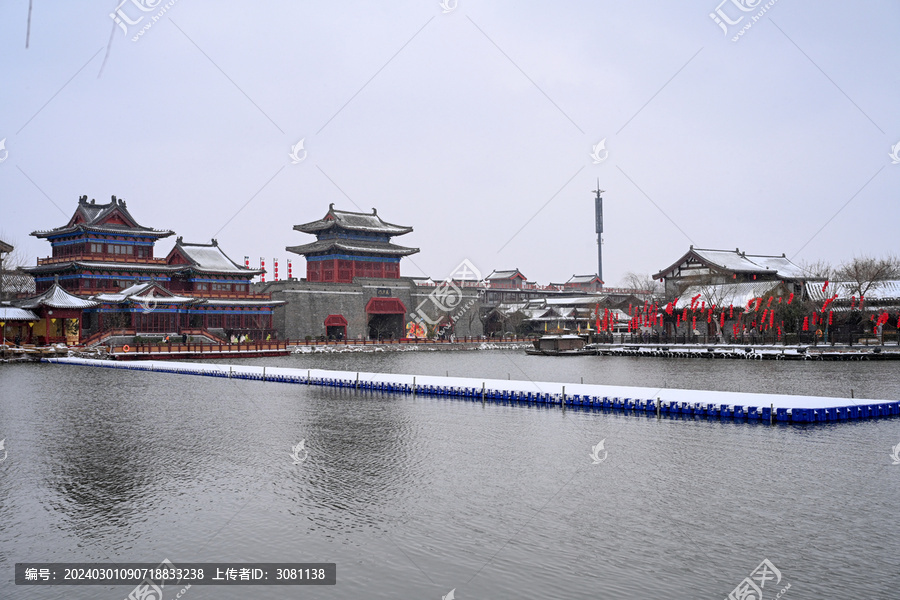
(351, 244)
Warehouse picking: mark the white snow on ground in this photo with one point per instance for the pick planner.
(641, 393)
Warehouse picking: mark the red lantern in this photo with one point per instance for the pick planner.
(694, 322)
(852, 302)
(290, 275)
(771, 319)
(262, 265)
(791, 298)
(769, 303)
(805, 323)
(731, 311)
(722, 319)
(825, 285)
(830, 318)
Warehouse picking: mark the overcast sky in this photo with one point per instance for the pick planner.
(475, 126)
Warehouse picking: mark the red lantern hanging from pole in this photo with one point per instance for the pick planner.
(275, 262)
(805, 323)
(830, 317)
(771, 319)
(722, 319)
(290, 274)
(731, 311)
(694, 322)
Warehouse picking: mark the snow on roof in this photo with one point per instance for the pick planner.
(741, 262)
(354, 221)
(144, 293)
(346, 245)
(883, 290)
(14, 313)
(93, 214)
(583, 279)
(209, 257)
(735, 294)
(507, 274)
(56, 297)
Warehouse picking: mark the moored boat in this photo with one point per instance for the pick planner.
(560, 345)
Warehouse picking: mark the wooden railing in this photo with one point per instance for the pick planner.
(114, 258)
(191, 348)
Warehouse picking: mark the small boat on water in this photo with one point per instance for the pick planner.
(560, 345)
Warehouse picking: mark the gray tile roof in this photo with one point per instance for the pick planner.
(353, 221)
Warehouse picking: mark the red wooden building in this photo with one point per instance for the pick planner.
(105, 257)
(351, 244)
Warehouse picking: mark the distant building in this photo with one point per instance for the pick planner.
(705, 267)
(509, 279)
(349, 245)
(102, 277)
(582, 283)
(353, 288)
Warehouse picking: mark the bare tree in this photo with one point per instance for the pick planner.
(864, 274)
(14, 281)
(819, 269)
(638, 281)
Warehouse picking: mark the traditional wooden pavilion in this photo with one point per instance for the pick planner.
(106, 258)
(351, 244)
(59, 316)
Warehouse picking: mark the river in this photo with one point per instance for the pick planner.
(415, 497)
